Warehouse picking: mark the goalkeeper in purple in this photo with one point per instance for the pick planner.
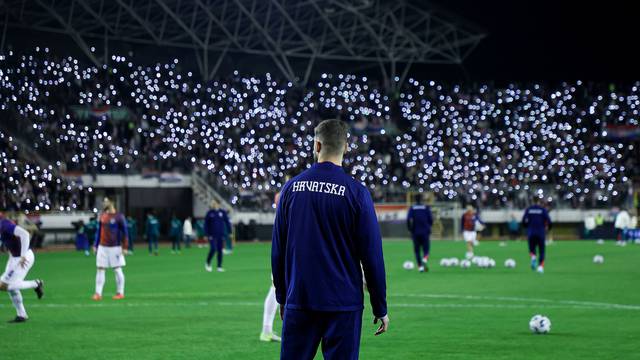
(325, 228)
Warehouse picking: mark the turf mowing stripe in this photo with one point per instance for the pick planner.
(393, 305)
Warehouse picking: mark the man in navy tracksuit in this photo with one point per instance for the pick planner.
(536, 220)
(216, 223)
(325, 229)
(419, 222)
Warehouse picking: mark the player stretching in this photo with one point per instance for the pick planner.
(216, 222)
(21, 259)
(536, 220)
(419, 221)
(110, 246)
(470, 221)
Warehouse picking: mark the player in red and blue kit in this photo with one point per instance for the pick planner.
(111, 242)
(419, 222)
(325, 228)
(216, 224)
(537, 221)
(17, 241)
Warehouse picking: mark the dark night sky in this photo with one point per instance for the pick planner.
(552, 40)
(526, 40)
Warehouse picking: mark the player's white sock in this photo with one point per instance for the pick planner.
(16, 299)
(119, 281)
(99, 281)
(23, 285)
(270, 308)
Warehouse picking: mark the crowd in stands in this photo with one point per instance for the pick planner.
(25, 186)
(490, 145)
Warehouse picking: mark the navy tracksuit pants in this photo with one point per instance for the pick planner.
(337, 331)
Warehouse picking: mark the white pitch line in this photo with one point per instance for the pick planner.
(521, 299)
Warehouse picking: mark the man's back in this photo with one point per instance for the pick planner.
(536, 219)
(420, 219)
(325, 227)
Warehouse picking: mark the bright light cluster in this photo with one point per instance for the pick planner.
(28, 187)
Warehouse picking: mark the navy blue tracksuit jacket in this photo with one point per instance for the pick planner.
(325, 228)
(419, 220)
(536, 219)
(216, 222)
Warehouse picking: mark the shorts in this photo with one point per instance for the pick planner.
(109, 257)
(14, 273)
(469, 236)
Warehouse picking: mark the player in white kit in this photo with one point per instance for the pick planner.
(16, 240)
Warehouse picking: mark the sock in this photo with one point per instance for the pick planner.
(16, 299)
(99, 281)
(533, 256)
(270, 309)
(22, 285)
(119, 281)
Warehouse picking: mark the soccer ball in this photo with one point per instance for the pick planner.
(465, 264)
(408, 265)
(454, 262)
(491, 263)
(483, 262)
(510, 263)
(445, 262)
(540, 324)
(600, 242)
(598, 259)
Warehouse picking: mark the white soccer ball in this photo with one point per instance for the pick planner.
(491, 263)
(465, 264)
(483, 262)
(598, 259)
(408, 265)
(476, 260)
(600, 242)
(445, 262)
(454, 262)
(540, 324)
(510, 263)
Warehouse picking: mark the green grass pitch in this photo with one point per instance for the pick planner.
(175, 310)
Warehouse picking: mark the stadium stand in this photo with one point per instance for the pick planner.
(490, 145)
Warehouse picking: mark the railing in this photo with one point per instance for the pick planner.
(202, 188)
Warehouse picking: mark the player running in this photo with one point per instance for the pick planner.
(216, 222)
(470, 222)
(536, 220)
(110, 247)
(419, 222)
(21, 259)
(325, 227)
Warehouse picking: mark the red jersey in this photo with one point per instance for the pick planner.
(112, 230)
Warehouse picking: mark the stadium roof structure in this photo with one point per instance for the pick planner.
(392, 34)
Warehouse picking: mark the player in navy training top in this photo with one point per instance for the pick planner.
(216, 223)
(419, 222)
(536, 220)
(325, 227)
(17, 242)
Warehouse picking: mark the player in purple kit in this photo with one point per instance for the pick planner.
(110, 247)
(21, 259)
